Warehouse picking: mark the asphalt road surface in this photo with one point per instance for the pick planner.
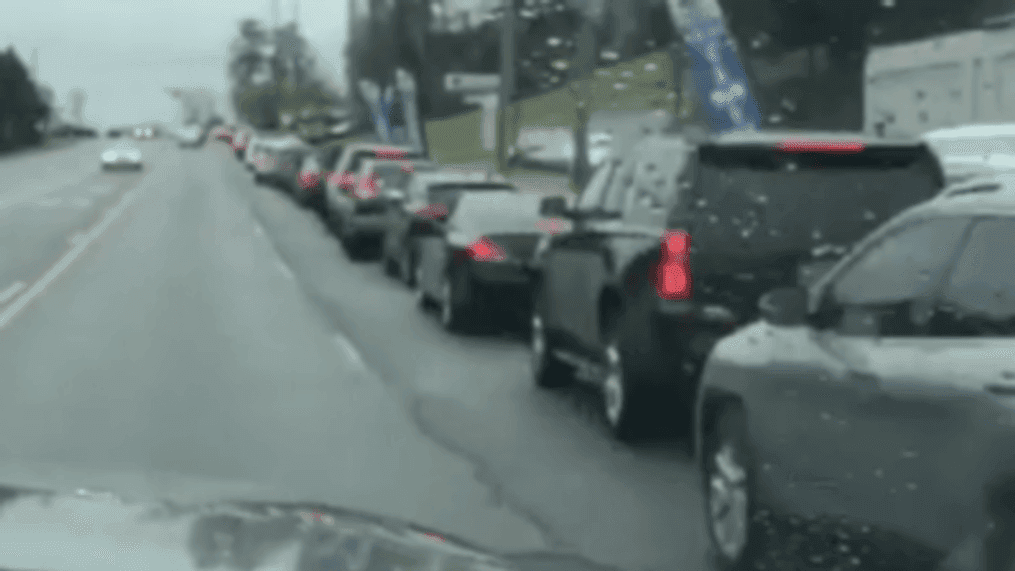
(183, 332)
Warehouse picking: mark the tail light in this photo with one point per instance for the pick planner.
(432, 211)
(805, 146)
(346, 180)
(309, 179)
(367, 187)
(485, 250)
(673, 273)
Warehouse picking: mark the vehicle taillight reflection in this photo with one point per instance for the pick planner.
(485, 250)
(389, 154)
(552, 225)
(432, 211)
(367, 187)
(309, 179)
(672, 275)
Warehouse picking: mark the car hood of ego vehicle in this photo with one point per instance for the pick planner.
(90, 529)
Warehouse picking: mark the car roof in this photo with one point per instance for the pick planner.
(355, 147)
(451, 175)
(981, 131)
(775, 137)
(501, 196)
(986, 195)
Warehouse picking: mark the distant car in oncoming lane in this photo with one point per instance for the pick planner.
(123, 155)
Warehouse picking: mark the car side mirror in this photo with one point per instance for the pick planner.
(784, 306)
(553, 206)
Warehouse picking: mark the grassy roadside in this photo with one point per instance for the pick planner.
(642, 84)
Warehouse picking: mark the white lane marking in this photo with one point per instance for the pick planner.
(10, 292)
(58, 268)
(77, 238)
(81, 202)
(285, 270)
(350, 351)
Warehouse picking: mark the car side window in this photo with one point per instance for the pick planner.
(979, 297)
(592, 196)
(654, 194)
(622, 183)
(890, 286)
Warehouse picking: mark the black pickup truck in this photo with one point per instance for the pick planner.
(671, 246)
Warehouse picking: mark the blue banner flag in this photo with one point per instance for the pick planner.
(720, 78)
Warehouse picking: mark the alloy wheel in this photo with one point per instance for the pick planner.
(537, 350)
(447, 302)
(728, 500)
(614, 389)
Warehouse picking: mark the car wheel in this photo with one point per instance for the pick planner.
(728, 473)
(407, 266)
(456, 315)
(623, 405)
(547, 370)
(352, 244)
(389, 264)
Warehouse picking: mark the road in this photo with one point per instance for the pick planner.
(184, 332)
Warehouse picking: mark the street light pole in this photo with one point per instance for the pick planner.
(507, 78)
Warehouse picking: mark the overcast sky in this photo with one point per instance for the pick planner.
(124, 53)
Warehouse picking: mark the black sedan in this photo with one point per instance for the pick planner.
(430, 198)
(477, 261)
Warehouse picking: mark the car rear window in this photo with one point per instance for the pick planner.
(757, 203)
(449, 193)
(398, 174)
(499, 212)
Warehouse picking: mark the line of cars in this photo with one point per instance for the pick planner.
(831, 320)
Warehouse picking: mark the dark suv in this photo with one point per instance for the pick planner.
(671, 247)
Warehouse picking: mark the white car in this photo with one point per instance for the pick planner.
(122, 155)
(972, 151)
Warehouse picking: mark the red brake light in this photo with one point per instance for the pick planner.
(389, 154)
(804, 146)
(367, 187)
(309, 179)
(485, 250)
(672, 277)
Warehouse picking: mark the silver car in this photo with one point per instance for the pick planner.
(871, 416)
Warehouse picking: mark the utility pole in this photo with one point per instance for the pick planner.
(274, 13)
(507, 78)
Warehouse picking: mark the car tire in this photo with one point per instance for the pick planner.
(548, 372)
(389, 264)
(727, 477)
(456, 288)
(407, 266)
(624, 402)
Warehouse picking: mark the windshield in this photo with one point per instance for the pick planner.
(249, 297)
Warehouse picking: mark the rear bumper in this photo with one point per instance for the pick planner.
(505, 274)
(367, 224)
(122, 165)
